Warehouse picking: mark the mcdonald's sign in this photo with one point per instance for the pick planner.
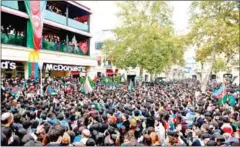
(33, 59)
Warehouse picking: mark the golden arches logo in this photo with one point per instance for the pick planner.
(33, 56)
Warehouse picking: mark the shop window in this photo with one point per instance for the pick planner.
(98, 45)
(99, 62)
(99, 74)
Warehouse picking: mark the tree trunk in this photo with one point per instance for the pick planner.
(141, 71)
(151, 77)
(206, 79)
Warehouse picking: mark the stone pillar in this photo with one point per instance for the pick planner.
(25, 70)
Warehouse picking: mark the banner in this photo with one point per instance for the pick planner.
(33, 59)
(36, 11)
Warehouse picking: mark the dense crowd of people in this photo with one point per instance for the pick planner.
(174, 113)
(10, 30)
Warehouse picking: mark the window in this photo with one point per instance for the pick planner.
(98, 45)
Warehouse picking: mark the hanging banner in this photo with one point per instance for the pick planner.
(33, 59)
(36, 11)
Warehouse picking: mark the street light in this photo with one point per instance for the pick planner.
(40, 65)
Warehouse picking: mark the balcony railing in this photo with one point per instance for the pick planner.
(10, 4)
(61, 47)
(13, 39)
(77, 25)
(52, 16)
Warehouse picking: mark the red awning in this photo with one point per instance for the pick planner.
(74, 72)
(109, 72)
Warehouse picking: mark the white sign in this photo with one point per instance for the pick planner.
(64, 67)
(8, 65)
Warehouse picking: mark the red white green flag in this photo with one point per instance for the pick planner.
(83, 46)
(36, 11)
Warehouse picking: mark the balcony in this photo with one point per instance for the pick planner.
(10, 4)
(52, 16)
(77, 25)
(12, 39)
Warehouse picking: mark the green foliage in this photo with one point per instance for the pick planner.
(219, 65)
(117, 79)
(214, 23)
(145, 38)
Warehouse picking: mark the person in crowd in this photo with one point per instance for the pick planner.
(173, 113)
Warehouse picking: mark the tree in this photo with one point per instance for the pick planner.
(219, 65)
(214, 31)
(145, 38)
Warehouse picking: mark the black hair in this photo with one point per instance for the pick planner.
(26, 123)
(55, 132)
(90, 142)
(136, 113)
(17, 118)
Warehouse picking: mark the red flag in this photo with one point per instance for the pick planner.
(83, 46)
(82, 18)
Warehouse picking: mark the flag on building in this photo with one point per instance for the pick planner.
(130, 86)
(35, 11)
(220, 92)
(86, 87)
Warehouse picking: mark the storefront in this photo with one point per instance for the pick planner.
(61, 70)
(12, 68)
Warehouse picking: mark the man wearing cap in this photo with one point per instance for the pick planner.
(7, 120)
(85, 136)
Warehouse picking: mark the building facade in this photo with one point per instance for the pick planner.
(65, 39)
(105, 67)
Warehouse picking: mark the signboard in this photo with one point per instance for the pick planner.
(8, 65)
(59, 67)
(228, 76)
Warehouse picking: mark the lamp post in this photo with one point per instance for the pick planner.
(40, 65)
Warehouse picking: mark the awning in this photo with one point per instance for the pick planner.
(75, 72)
(109, 72)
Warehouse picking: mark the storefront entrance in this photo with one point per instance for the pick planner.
(131, 78)
(12, 69)
(61, 70)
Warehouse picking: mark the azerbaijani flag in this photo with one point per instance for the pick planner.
(86, 87)
(220, 92)
(227, 98)
(36, 11)
(16, 92)
(130, 86)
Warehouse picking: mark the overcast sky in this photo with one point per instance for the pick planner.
(104, 18)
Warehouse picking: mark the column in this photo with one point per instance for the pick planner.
(25, 70)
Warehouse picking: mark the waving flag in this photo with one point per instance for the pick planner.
(16, 92)
(220, 92)
(86, 87)
(227, 98)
